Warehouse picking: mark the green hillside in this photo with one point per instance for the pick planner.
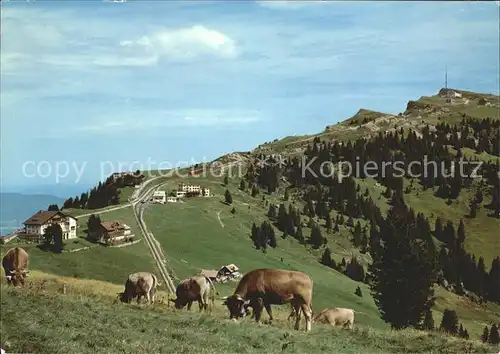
(206, 233)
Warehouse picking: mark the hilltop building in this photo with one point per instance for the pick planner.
(159, 197)
(192, 189)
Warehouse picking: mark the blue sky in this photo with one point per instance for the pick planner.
(88, 82)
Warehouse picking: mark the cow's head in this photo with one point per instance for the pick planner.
(236, 306)
(16, 277)
(124, 297)
(179, 302)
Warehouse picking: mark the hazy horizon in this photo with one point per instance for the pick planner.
(91, 83)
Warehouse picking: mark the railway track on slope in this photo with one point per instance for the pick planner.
(154, 247)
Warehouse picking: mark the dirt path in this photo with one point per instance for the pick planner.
(106, 210)
(218, 217)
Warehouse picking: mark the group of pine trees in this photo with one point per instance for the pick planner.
(353, 269)
(439, 167)
(406, 263)
(103, 195)
(263, 236)
(492, 335)
(450, 324)
(53, 207)
(326, 194)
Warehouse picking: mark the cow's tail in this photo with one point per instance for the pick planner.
(361, 313)
(215, 292)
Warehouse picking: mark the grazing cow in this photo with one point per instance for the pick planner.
(336, 317)
(15, 264)
(266, 287)
(140, 284)
(196, 288)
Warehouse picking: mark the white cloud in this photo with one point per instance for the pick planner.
(186, 43)
(32, 38)
(290, 5)
(183, 118)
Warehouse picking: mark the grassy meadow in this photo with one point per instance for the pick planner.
(87, 319)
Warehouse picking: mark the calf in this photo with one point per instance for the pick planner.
(337, 316)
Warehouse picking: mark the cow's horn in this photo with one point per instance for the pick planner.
(238, 296)
(224, 298)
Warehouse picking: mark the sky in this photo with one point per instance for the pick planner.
(89, 85)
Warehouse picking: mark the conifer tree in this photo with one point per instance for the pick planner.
(438, 229)
(358, 292)
(272, 211)
(317, 238)
(328, 224)
(493, 282)
(473, 210)
(357, 236)
(428, 324)
(461, 331)
(461, 233)
(403, 273)
(53, 237)
(228, 197)
(255, 236)
(242, 185)
(327, 259)
(93, 225)
(282, 217)
(449, 323)
(299, 235)
(364, 243)
(486, 334)
(494, 337)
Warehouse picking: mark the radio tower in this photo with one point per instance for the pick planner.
(446, 78)
(448, 99)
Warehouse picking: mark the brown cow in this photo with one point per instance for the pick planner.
(15, 264)
(140, 284)
(266, 287)
(336, 317)
(196, 288)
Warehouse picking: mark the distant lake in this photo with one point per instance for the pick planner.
(15, 208)
(8, 226)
